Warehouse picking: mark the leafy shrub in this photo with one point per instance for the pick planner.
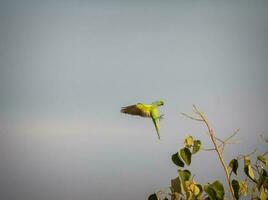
(254, 185)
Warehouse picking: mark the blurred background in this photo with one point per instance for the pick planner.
(67, 67)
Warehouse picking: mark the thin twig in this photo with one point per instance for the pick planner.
(220, 140)
(240, 156)
(211, 133)
(255, 168)
(236, 131)
(265, 139)
(193, 118)
(234, 142)
(222, 148)
(222, 145)
(251, 153)
(211, 149)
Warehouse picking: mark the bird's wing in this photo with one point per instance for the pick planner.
(138, 109)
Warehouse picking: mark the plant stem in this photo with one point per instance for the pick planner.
(220, 155)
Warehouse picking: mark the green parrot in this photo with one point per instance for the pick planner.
(146, 110)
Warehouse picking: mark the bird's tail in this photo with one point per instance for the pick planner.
(157, 128)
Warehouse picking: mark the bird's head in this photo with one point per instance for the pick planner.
(159, 103)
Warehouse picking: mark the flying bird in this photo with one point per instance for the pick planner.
(146, 110)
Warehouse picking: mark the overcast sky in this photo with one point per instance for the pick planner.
(66, 68)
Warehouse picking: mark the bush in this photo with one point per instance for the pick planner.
(254, 185)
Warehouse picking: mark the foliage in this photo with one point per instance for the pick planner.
(254, 182)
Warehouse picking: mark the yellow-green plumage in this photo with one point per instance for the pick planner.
(146, 110)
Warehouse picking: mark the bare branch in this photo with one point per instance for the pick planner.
(241, 156)
(234, 142)
(211, 149)
(195, 110)
(223, 144)
(265, 139)
(222, 148)
(251, 153)
(255, 169)
(236, 131)
(193, 118)
(220, 155)
(220, 140)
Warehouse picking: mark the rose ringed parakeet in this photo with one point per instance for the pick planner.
(146, 110)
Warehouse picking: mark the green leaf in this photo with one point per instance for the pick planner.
(248, 169)
(176, 185)
(195, 190)
(247, 160)
(185, 175)
(263, 160)
(218, 187)
(235, 186)
(210, 192)
(215, 190)
(197, 146)
(234, 165)
(201, 190)
(263, 179)
(152, 197)
(186, 155)
(262, 194)
(243, 188)
(191, 190)
(188, 142)
(265, 183)
(175, 196)
(249, 172)
(177, 160)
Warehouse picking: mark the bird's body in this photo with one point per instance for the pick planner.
(146, 110)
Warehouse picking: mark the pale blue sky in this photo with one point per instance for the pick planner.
(67, 67)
